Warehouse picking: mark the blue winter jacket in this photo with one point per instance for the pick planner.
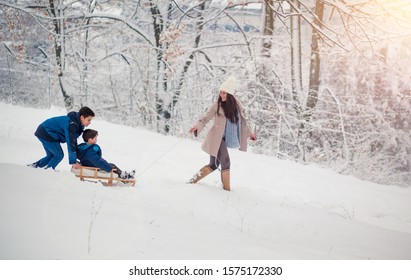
(62, 129)
(90, 155)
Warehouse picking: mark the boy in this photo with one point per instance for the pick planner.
(58, 130)
(89, 154)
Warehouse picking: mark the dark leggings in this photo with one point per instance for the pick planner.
(118, 170)
(223, 158)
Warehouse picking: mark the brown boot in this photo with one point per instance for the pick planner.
(225, 179)
(204, 171)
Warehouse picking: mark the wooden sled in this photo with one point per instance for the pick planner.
(107, 178)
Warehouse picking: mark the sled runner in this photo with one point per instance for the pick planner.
(107, 178)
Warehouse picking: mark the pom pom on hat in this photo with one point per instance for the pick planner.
(229, 85)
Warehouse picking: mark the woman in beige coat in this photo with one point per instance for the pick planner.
(229, 129)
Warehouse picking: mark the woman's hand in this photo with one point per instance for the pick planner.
(253, 137)
(193, 130)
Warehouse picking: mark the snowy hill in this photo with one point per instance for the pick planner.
(277, 210)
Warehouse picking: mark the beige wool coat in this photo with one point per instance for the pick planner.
(214, 136)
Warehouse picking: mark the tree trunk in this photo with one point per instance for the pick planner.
(296, 56)
(268, 27)
(314, 81)
(59, 50)
(296, 79)
(84, 59)
(158, 26)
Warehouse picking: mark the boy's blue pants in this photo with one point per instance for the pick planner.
(54, 154)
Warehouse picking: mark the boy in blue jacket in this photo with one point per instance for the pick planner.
(90, 154)
(62, 129)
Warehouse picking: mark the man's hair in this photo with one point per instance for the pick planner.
(86, 112)
(89, 134)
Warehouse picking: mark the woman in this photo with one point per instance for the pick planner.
(229, 129)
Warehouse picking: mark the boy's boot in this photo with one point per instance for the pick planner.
(225, 179)
(132, 174)
(34, 165)
(204, 171)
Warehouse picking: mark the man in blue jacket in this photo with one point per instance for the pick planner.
(90, 154)
(62, 129)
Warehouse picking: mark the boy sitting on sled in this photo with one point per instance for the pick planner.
(89, 154)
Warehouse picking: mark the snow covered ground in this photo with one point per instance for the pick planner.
(277, 210)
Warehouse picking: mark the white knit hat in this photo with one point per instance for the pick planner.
(229, 85)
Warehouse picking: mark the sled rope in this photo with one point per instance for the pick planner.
(160, 157)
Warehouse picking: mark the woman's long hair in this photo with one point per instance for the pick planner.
(230, 108)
